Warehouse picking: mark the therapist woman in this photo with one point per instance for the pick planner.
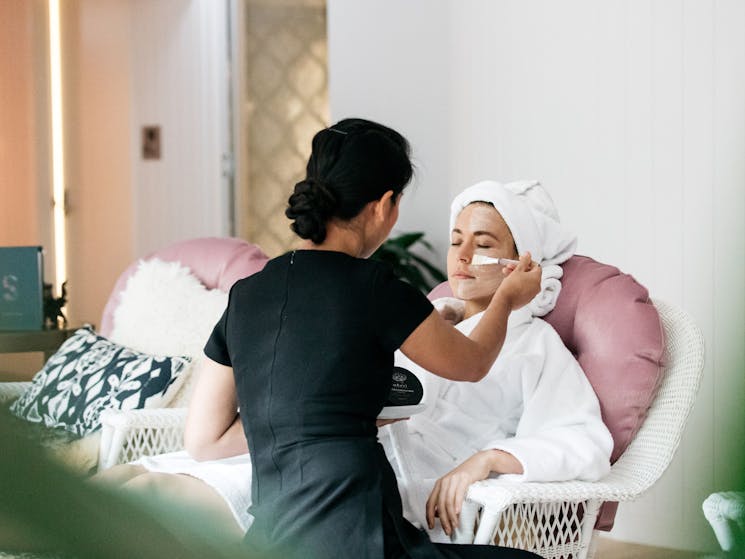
(305, 351)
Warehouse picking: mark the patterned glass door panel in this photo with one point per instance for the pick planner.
(283, 102)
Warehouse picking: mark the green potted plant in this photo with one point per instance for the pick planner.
(408, 265)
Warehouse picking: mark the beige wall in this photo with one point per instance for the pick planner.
(97, 47)
(24, 186)
(19, 221)
(97, 116)
(97, 94)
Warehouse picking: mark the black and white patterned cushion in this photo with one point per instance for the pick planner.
(90, 374)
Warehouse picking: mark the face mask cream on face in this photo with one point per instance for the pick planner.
(483, 282)
(477, 276)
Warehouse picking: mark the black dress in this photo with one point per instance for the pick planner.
(311, 341)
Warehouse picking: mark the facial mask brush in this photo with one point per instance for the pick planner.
(481, 260)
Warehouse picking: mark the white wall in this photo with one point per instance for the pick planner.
(389, 63)
(98, 176)
(632, 114)
(179, 59)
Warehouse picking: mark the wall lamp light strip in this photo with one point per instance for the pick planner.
(58, 163)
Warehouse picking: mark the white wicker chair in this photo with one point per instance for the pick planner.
(126, 436)
(556, 520)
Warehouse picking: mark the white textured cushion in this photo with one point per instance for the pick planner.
(164, 309)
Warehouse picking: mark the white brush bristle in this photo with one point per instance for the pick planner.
(480, 259)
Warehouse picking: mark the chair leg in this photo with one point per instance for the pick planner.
(107, 432)
(464, 532)
(593, 548)
(588, 543)
(725, 512)
(399, 441)
(488, 522)
(109, 452)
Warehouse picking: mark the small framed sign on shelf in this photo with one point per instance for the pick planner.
(21, 289)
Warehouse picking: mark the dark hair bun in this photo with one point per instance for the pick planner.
(311, 205)
(351, 164)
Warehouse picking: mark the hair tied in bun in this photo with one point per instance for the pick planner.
(324, 197)
(352, 163)
(311, 205)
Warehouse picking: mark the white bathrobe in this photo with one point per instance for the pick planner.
(535, 403)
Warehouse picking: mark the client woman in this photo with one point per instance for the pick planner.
(534, 415)
(305, 350)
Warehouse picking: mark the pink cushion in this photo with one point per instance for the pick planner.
(216, 262)
(607, 321)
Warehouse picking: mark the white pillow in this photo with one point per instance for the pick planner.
(165, 310)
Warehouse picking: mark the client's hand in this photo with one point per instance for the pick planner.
(449, 491)
(522, 282)
(447, 496)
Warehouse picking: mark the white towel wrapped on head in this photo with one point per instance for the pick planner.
(531, 215)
